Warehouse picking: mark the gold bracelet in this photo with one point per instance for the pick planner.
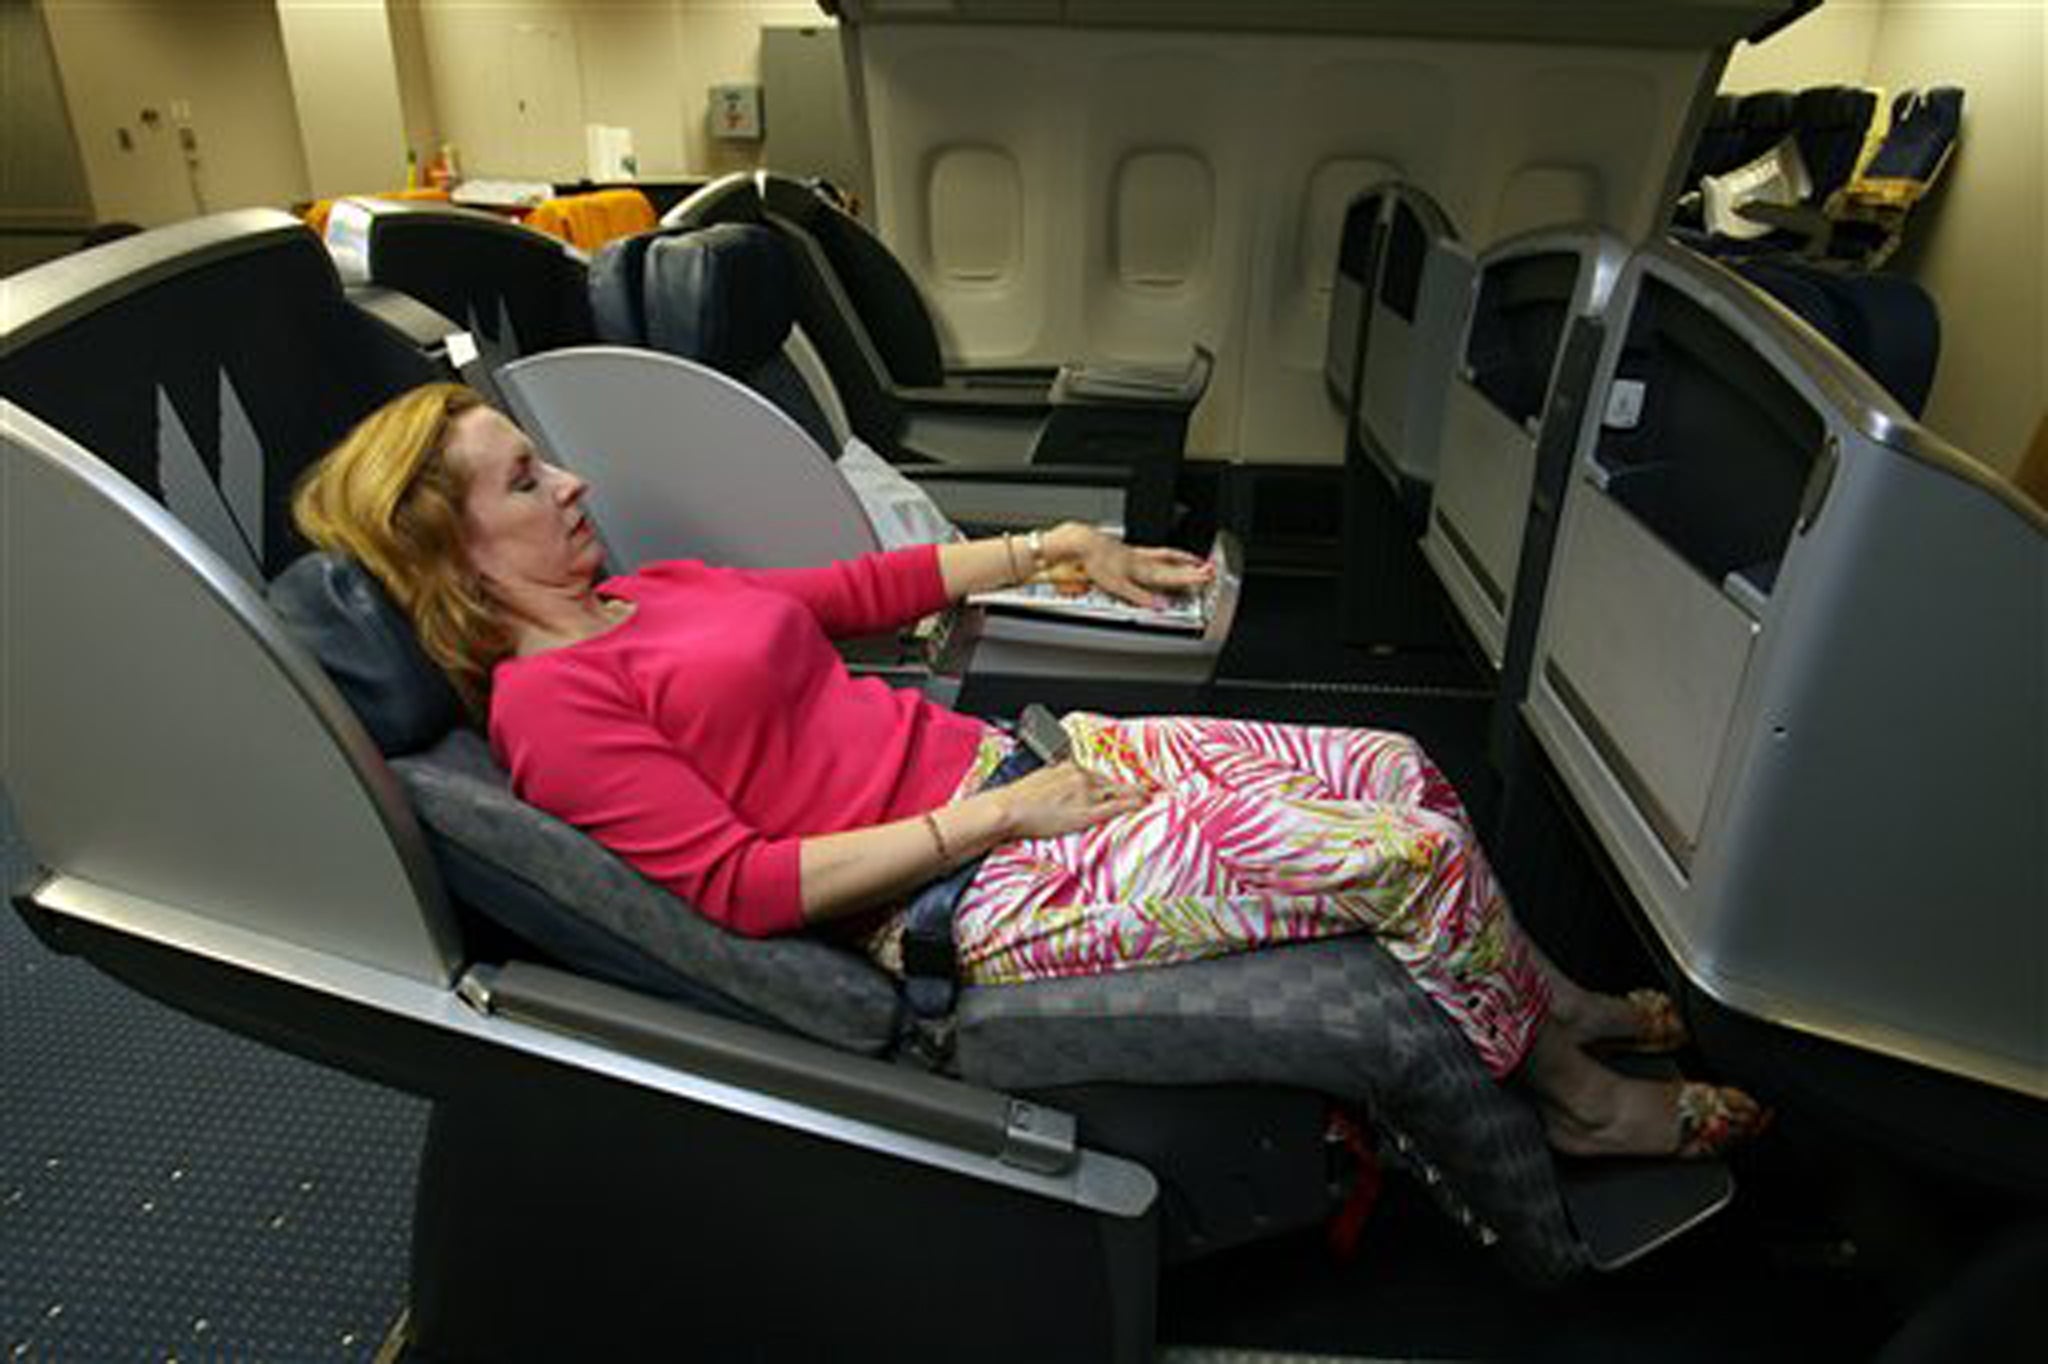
(1010, 553)
(938, 839)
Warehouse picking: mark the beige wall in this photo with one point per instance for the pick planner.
(640, 64)
(43, 202)
(221, 60)
(344, 77)
(1979, 243)
(1837, 37)
(415, 81)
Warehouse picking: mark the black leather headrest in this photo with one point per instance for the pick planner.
(340, 612)
(618, 292)
(722, 296)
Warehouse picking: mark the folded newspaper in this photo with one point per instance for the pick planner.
(1065, 592)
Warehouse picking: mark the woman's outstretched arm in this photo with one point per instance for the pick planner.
(1137, 575)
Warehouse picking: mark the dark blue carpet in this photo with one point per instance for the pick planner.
(172, 1191)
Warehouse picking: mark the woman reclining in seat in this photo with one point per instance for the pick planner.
(696, 721)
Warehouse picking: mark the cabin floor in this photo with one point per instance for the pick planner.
(171, 1191)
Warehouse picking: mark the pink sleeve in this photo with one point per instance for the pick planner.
(585, 755)
(864, 596)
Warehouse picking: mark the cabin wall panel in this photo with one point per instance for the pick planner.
(344, 73)
(1182, 187)
(224, 64)
(647, 65)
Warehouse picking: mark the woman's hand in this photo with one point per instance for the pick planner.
(1144, 576)
(1060, 799)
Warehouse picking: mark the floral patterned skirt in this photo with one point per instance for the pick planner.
(1255, 834)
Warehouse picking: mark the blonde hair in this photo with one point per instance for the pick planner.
(389, 497)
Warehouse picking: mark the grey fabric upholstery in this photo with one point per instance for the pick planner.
(1339, 1016)
(807, 986)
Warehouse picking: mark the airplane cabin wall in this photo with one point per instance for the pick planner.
(645, 66)
(344, 72)
(1118, 194)
(224, 63)
(43, 199)
(1979, 242)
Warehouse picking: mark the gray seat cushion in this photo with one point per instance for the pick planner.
(1339, 1016)
(808, 986)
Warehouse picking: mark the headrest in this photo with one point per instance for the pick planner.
(339, 611)
(722, 296)
(618, 296)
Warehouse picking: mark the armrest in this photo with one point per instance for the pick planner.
(1805, 221)
(1018, 1133)
(1145, 385)
(1078, 475)
(999, 399)
(1037, 377)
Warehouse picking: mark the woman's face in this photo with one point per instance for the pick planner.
(523, 521)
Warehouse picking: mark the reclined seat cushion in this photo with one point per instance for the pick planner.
(561, 890)
(1339, 1016)
(545, 882)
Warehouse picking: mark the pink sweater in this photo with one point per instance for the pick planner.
(716, 728)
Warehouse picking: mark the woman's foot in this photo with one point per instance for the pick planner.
(1589, 1110)
(1641, 1020)
(1688, 1119)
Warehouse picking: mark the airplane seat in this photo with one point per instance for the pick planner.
(1888, 324)
(726, 296)
(767, 493)
(304, 905)
(1110, 1039)
(1359, 243)
(1765, 116)
(1518, 402)
(131, 352)
(515, 290)
(1737, 674)
(1779, 199)
(1868, 218)
(618, 309)
(1716, 151)
(882, 293)
(998, 444)
(1411, 308)
(536, 879)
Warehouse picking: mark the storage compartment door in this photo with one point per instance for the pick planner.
(1474, 539)
(1647, 657)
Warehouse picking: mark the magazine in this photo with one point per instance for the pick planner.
(1065, 591)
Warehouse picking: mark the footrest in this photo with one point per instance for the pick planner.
(1625, 1207)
